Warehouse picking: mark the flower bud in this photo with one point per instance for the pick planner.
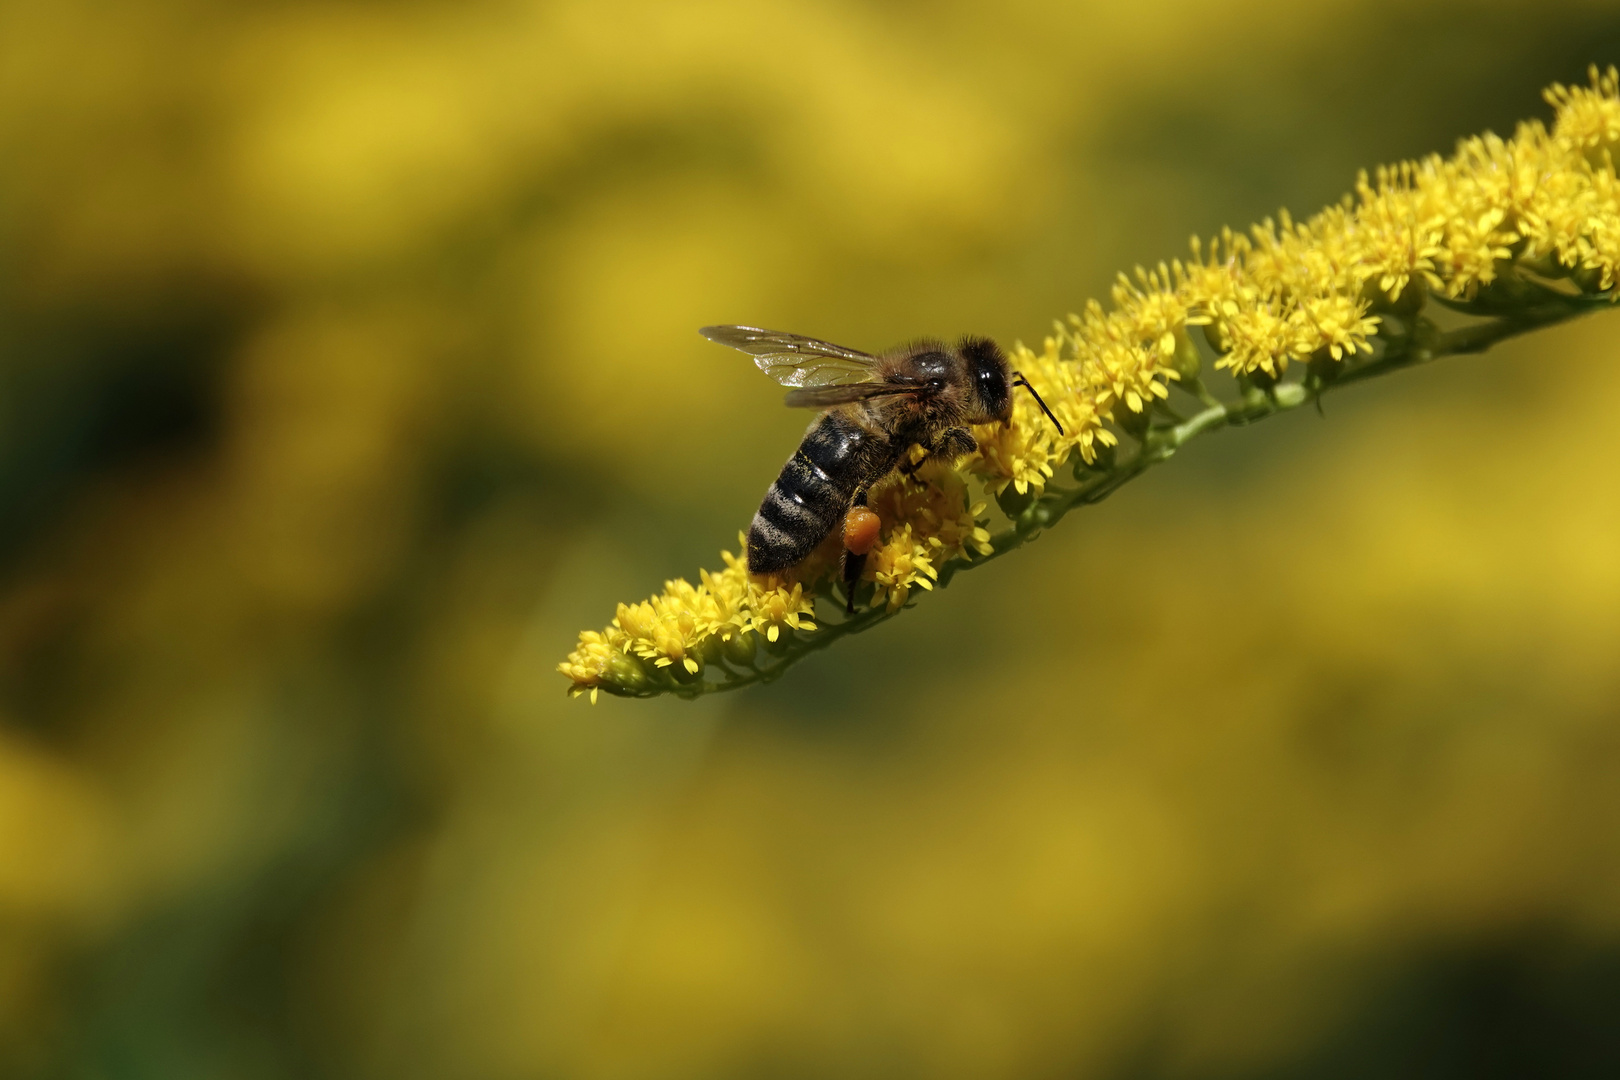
(739, 649)
(1260, 379)
(1588, 279)
(1184, 359)
(1102, 459)
(1012, 501)
(1411, 299)
(1133, 423)
(627, 671)
(1322, 370)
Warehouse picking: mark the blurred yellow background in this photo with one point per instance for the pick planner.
(348, 367)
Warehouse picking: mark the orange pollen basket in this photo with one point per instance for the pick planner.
(861, 530)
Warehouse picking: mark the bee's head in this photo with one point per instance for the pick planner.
(992, 383)
(987, 375)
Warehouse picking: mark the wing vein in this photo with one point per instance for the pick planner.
(796, 360)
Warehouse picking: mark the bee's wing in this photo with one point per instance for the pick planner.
(825, 397)
(796, 360)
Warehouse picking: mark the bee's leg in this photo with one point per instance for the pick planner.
(853, 564)
(949, 445)
(954, 442)
(909, 464)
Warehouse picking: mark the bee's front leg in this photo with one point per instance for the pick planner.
(953, 443)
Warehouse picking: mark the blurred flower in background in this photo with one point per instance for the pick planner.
(348, 365)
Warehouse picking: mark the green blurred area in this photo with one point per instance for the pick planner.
(348, 368)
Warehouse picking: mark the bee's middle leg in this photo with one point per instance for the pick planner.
(909, 465)
(948, 445)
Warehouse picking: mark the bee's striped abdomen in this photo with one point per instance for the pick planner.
(810, 496)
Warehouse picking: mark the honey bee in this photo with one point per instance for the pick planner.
(875, 409)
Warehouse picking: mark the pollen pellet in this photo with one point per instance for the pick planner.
(861, 530)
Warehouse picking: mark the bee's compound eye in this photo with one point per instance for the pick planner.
(993, 390)
(861, 528)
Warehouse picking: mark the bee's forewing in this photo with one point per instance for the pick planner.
(796, 360)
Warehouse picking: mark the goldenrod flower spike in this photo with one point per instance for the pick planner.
(1514, 234)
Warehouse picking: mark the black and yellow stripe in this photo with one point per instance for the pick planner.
(812, 493)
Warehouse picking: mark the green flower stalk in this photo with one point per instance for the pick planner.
(1513, 234)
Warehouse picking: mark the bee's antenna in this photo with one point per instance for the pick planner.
(1019, 380)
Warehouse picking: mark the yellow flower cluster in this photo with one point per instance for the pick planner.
(927, 521)
(688, 626)
(1289, 291)
(1024, 453)
(1539, 207)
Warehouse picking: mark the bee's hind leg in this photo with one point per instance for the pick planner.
(854, 561)
(853, 565)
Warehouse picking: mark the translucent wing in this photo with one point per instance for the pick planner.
(825, 397)
(796, 360)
